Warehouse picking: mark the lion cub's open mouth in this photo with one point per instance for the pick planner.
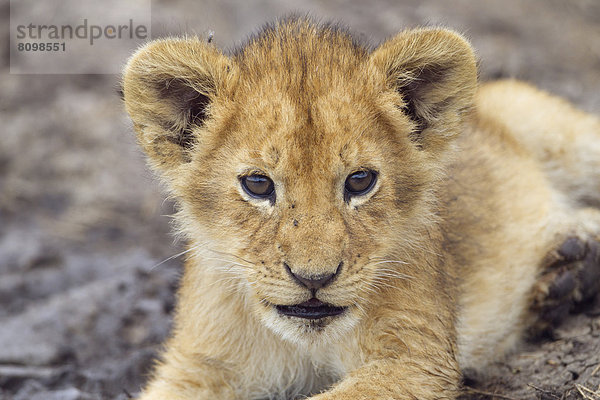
(311, 309)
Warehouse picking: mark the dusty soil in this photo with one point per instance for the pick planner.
(83, 225)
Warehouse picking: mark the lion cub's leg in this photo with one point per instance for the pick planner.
(570, 276)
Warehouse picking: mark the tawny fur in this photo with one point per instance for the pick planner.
(475, 186)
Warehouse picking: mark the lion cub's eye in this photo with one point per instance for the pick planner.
(359, 183)
(258, 186)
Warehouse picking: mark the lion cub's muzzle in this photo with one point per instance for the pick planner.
(312, 308)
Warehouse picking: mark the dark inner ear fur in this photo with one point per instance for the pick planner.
(191, 107)
(414, 92)
(408, 95)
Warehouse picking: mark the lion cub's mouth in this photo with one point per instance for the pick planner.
(311, 309)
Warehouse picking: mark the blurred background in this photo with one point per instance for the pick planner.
(84, 304)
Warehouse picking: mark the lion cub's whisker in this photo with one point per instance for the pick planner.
(228, 261)
(390, 261)
(393, 274)
(232, 255)
(175, 256)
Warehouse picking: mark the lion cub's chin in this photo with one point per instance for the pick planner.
(309, 332)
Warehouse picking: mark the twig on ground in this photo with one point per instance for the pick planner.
(546, 392)
(587, 393)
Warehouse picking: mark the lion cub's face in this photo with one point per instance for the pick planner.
(307, 196)
(301, 169)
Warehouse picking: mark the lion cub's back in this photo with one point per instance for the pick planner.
(564, 140)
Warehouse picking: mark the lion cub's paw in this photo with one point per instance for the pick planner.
(572, 277)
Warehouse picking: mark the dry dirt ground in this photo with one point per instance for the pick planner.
(83, 306)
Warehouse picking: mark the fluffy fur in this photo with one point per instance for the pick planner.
(476, 186)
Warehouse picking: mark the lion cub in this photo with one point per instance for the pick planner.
(362, 223)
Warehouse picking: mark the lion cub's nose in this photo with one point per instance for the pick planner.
(313, 282)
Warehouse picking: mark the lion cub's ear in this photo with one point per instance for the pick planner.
(168, 88)
(435, 72)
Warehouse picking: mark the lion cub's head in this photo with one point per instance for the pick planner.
(304, 164)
